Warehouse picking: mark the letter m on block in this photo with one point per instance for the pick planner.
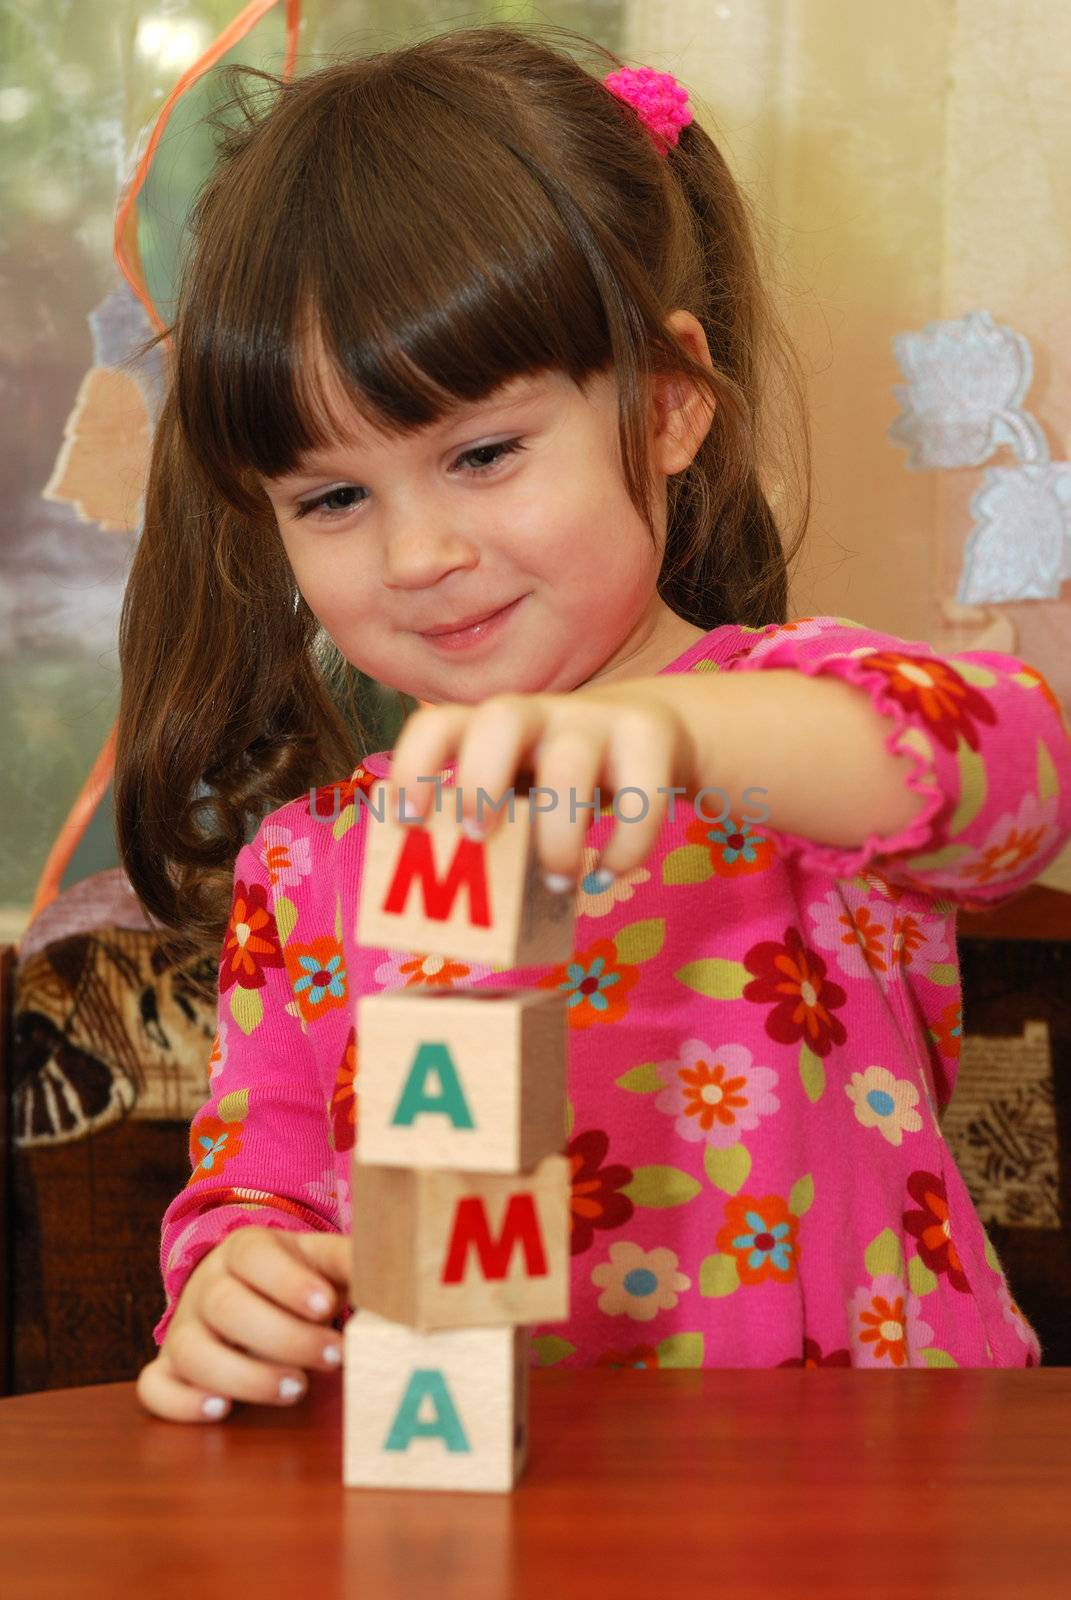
(520, 1225)
(468, 868)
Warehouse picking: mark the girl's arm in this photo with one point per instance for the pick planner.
(950, 775)
(259, 1149)
(815, 747)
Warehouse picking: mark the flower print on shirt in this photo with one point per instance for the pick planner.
(1012, 1314)
(729, 847)
(643, 1357)
(869, 936)
(343, 1108)
(336, 803)
(213, 1143)
(596, 1199)
(592, 901)
(716, 1092)
(328, 1190)
(761, 1235)
(775, 633)
(217, 1058)
(317, 976)
(944, 1030)
(251, 943)
(412, 970)
(812, 1357)
(887, 1329)
(977, 727)
(1015, 840)
(596, 984)
(792, 980)
(285, 855)
(639, 1283)
(885, 1102)
(931, 1227)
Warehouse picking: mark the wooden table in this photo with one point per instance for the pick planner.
(652, 1485)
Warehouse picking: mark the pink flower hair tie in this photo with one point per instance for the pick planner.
(658, 99)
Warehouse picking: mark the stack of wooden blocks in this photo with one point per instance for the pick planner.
(460, 1191)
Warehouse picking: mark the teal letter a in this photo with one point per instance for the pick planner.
(427, 1384)
(433, 1060)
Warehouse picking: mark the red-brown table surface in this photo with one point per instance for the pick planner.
(660, 1485)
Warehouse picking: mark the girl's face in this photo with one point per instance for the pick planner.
(518, 501)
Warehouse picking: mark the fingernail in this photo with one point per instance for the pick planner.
(471, 829)
(290, 1388)
(333, 1355)
(603, 878)
(215, 1407)
(318, 1302)
(558, 882)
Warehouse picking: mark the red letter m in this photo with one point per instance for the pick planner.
(519, 1226)
(468, 867)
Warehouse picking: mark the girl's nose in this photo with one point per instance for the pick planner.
(420, 548)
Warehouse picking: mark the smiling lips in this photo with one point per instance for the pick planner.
(481, 627)
(469, 622)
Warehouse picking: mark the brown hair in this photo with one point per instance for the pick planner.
(452, 213)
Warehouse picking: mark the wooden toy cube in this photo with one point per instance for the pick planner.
(466, 1078)
(426, 887)
(445, 1410)
(433, 1248)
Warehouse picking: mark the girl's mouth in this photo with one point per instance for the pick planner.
(466, 638)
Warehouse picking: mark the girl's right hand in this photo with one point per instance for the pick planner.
(256, 1289)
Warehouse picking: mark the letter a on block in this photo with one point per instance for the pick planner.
(467, 868)
(433, 1061)
(445, 1424)
(445, 1410)
(520, 1225)
(507, 1049)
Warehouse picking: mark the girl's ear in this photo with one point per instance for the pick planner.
(681, 411)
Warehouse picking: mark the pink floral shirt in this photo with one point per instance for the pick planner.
(762, 1035)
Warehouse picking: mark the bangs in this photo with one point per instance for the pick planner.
(332, 256)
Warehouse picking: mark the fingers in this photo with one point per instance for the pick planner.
(497, 738)
(569, 767)
(626, 749)
(243, 1347)
(583, 764)
(249, 1324)
(426, 739)
(326, 1260)
(241, 1316)
(639, 769)
(165, 1394)
(302, 1272)
(490, 742)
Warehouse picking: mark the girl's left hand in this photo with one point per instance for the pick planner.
(622, 736)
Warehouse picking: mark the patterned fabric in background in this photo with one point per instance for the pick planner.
(1009, 1123)
(109, 1045)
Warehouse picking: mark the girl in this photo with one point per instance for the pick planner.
(471, 332)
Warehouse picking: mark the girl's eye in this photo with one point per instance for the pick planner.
(497, 452)
(305, 506)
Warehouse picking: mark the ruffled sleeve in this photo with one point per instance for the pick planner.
(259, 1146)
(990, 752)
